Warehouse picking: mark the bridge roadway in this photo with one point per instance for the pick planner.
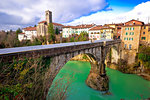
(40, 47)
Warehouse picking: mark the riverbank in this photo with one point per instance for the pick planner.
(130, 70)
(80, 57)
(121, 86)
(127, 69)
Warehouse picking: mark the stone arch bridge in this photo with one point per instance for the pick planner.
(62, 53)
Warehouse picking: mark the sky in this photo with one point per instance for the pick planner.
(16, 14)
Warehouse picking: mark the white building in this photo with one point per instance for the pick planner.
(22, 36)
(28, 33)
(57, 25)
(70, 30)
(101, 32)
(95, 33)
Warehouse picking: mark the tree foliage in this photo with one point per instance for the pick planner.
(144, 56)
(23, 78)
(18, 31)
(57, 31)
(51, 33)
(83, 36)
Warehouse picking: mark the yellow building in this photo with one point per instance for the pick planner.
(145, 35)
(130, 34)
(107, 32)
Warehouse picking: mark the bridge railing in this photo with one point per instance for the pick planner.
(53, 46)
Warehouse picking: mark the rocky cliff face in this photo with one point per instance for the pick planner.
(127, 64)
(95, 80)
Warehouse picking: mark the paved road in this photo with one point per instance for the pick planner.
(39, 47)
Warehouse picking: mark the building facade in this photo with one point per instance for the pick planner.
(42, 27)
(101, 32)
(145, 35)
(71, 30)
(28, 34)
(95, 33)
(131, 34)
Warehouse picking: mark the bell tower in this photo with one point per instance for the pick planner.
(48, 16)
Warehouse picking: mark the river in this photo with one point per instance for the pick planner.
(121, 86)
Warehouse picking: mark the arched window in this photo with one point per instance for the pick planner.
(125, 46)
(130, 46)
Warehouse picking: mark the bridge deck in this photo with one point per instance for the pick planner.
(40, 47)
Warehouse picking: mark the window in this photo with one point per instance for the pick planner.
(144, 27)
(125, 38)
(143, 32)
(132, 28)
(125, 46)
(126, 33)
(143, 38)
(126, 28)
(132, 33)
(130, 46)
(131, 39)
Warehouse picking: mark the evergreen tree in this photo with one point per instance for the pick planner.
(51, 33)
(57, 31)
(11, 31)
(18, 31)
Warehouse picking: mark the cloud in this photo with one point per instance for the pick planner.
(26, 12)
(140, 12)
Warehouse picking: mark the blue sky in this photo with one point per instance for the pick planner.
(22, 13)
(128, 4)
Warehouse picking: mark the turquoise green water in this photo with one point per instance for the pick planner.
(122, 86)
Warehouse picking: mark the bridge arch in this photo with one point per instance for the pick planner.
(62, 53)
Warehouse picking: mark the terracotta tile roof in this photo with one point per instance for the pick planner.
(42, 22)
(132, 25)
(21, 33)
(147, 24)
(30, 29)
(68, 26)
(96, 28)
(106, 27)
(117, 24)
(57, 24)
(136, 21)
(100, 28)
(84, 26)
